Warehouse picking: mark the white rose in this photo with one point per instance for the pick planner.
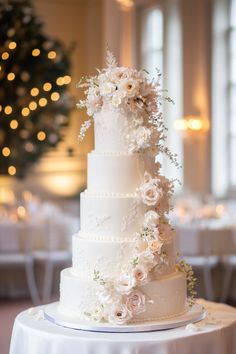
(155, 246)
(147, 261)
(107, 294)
(141, 246)
(98, 314)
(116, 100)
(150, 192)
(130, 87)
(119, 314)
(136, 302)
(151, 219)
(125, 283)
(93, 104)
(140, 139)
(107, 88)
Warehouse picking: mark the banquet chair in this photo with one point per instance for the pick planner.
(195, 249)
(16, 251)
(57, 251)
(229, 265)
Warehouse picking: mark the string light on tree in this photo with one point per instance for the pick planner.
(43, 102)
(10, 76)
(11, 170)
(60, 81)
(67, 79)
(47, 86)
(52, 55)
(35, 52)
(55, 96)
(34, 91)
(5, 55)
(25, 112)
(12, 45)
(41, 136)
(33, 105)
(8, 110)
(14, 124)
(6, 151)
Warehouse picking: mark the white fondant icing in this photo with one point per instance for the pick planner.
(109, 256)
(109, 173)
(110, 216)
(110, 131)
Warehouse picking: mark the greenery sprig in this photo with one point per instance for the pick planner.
(186, 269)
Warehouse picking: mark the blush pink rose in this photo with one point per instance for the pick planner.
(150, 192)
(136, 302)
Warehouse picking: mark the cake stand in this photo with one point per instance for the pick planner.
(191, 315)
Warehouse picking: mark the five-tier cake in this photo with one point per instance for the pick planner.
(124, 258)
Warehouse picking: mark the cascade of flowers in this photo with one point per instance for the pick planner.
(131, 91)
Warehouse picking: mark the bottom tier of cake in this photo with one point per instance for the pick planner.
(166, 297)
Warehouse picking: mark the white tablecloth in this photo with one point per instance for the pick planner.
(192, 240)
(38, 336)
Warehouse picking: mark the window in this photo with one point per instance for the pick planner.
(152, 40)
(160, 48)
(232, 95)
(224, 98)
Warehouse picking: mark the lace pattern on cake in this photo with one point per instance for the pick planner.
(97, 223)
(131, 216)
(109, 267)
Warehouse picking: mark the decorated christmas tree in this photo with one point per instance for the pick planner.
(34, 97)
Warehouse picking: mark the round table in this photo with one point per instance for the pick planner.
(216, 334)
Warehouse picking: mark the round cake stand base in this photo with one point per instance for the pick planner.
(194, 314)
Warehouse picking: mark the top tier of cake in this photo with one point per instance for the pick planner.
(112, 131)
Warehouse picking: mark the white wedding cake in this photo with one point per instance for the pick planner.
(124, 259)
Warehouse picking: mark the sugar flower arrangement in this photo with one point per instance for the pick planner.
(133, 92)
(120, 87)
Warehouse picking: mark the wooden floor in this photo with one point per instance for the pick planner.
(8, 311)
